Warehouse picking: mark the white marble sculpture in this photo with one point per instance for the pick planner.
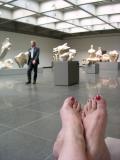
(114, 55)
(111, 56)
(6, 46)
(91, 51)
(99, 52)
(92, 58)
(7, 64)
(98, 56)
(63, 53)
(21, 59)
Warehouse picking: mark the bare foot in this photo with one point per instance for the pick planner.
(60, 138)
(72, 131)
(58, 144)
(94, 118)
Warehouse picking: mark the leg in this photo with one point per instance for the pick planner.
(74, 144)
(30, 67)
(35, 72)
(94, 120)
(58, 144)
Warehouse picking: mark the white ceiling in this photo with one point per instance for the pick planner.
(70, 16)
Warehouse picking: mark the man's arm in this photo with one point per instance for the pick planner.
(37, 55)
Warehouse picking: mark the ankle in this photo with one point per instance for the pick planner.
(98, 151)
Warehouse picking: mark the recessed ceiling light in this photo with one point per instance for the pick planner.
(8, 5)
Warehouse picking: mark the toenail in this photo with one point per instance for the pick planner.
(72, 98)
(98, 97)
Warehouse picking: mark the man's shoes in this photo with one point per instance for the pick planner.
(34, 82)
(28, 82)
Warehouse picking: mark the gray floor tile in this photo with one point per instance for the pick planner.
(50, 157)
(26, 106)
(4, 129)
(113, 130)
(45, 128)
(18, 117)
(17, 146)
(50, 106)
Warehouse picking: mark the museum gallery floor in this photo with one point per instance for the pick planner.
(29, 114)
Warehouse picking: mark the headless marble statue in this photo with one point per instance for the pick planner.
(21, 59)
(99, 52)
(91, 52)
(6, 46)
(92, 56)
(8, 63)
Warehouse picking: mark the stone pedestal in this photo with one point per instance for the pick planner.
(109, 66)
(66, 73)
(92, 68)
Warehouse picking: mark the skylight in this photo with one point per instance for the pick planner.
(9, 6)
(70, 16)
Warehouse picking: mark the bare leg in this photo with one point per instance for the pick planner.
(73, 147)
(58, 144)
(94, 120)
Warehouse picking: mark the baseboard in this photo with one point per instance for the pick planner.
(16, 71)
(47, 67)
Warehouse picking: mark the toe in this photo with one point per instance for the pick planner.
(89, 105)
(83, 115)
(78, 107)
(101, 103)
(86, 109)
(69, 101)
(94, 104)
(75, 105)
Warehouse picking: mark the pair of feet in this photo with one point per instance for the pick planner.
(83, 131)
(29, 82)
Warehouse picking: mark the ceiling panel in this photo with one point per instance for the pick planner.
(67, 16)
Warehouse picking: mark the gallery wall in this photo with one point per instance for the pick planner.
(82, 44)
(21, 43)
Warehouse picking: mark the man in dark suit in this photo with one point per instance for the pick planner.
(33, 61)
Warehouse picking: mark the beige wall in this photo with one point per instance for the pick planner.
(21, 43)
(82, 44)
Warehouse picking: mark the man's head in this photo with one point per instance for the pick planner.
(33, 43)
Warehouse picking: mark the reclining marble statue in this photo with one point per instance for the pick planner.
(100, 56)
(8, 63)
(63, 53)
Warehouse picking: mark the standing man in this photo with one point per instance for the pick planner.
(33, 61)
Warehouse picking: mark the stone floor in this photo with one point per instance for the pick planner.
(29, 114)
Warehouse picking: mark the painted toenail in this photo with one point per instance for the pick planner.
(98, 97)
